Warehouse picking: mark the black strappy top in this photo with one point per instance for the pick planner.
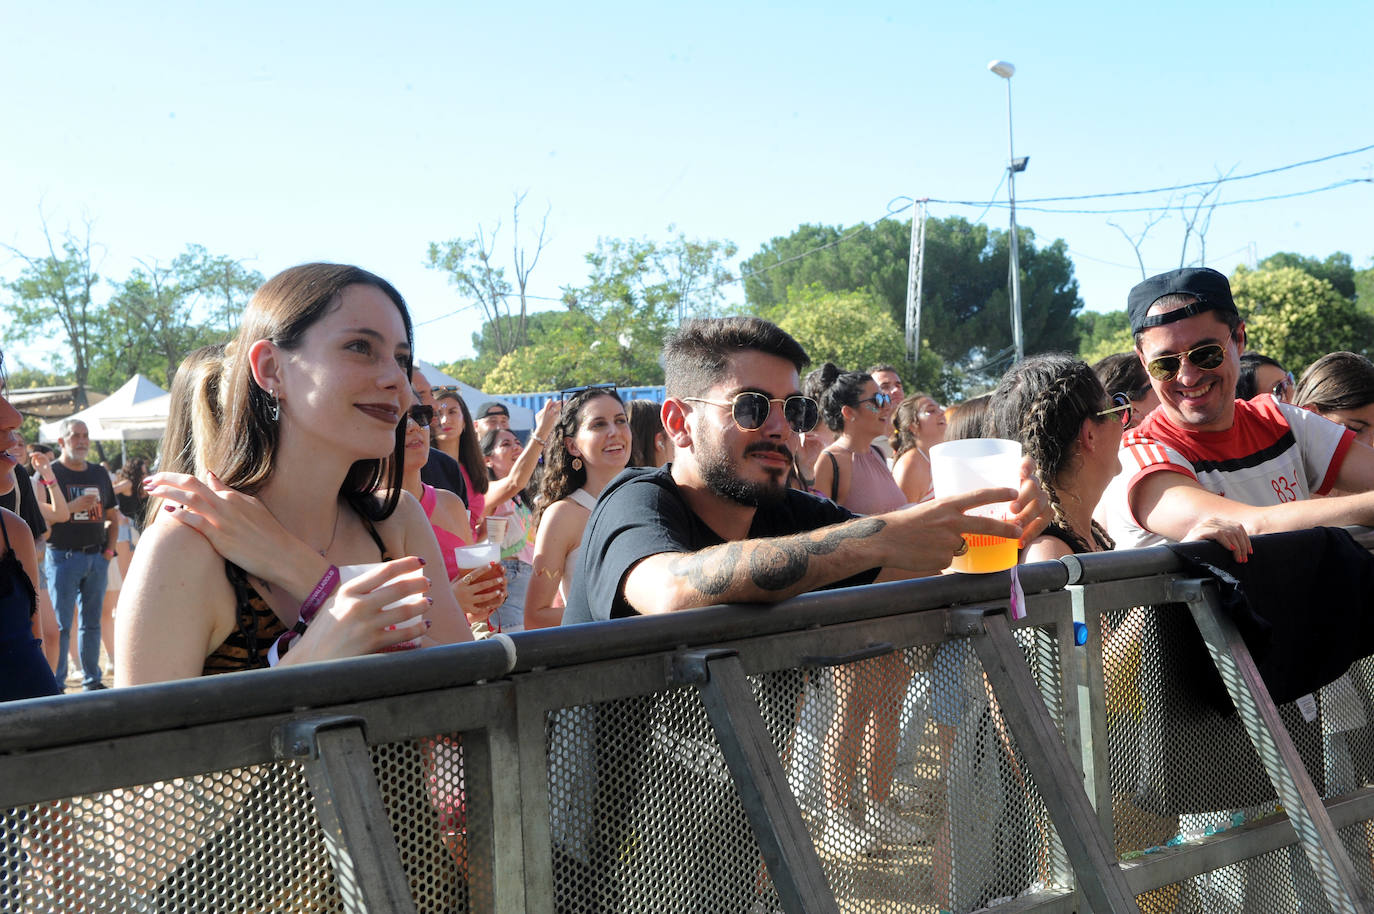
(257, 624)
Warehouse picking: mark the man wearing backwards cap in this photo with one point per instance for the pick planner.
(491, 415)
(1204, 457)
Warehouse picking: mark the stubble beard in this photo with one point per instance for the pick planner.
(721, 475)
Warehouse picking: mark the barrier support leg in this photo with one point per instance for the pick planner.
(348, 802)
(757, 772)
(1275, 747)
(1099, 875)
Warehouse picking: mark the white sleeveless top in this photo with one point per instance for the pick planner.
(587, 500)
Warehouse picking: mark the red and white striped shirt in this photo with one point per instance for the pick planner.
(1273, 453)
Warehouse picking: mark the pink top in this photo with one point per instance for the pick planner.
(872, 490)
(476, 502)
(447, 541)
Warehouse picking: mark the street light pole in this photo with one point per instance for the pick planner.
(1005, 69)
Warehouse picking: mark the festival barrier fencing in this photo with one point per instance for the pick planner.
(680, 763)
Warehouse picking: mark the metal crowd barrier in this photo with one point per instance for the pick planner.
(681, 763)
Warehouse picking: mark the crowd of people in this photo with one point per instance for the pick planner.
(312, 484)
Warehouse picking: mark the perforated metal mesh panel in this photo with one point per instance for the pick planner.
(1183, 768)
(643, 812)
(1279, 882)
(242, 840)
(1175, 748)
(245, 840)
(421, 784)
(645, 818)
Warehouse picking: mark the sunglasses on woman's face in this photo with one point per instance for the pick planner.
(421, 415)
(1120, 404)
(750, 410)
(879, 401)
(1284, 388)
(1207, 358)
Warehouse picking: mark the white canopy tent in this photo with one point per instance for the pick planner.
(521, 417)
(137, 411)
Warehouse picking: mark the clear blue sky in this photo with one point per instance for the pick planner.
(360, 133)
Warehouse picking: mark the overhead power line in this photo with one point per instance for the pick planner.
(1028, 205)
(1155, 209)
(1192, 186)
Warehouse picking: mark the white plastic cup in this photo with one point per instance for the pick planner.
(477, 555)
(496, 530)
(349, 572)
(962, 466)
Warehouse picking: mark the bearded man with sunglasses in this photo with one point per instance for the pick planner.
(1204, 457)
(720, 524)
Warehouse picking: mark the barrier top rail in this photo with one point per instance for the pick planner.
(61, 720)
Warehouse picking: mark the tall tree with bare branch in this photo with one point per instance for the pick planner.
(471, 268)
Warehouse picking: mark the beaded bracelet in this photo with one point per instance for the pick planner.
(326, 586)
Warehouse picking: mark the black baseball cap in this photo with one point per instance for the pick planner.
(1210, 288)
(492, 408)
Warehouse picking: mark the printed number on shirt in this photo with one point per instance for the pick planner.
(1283, 489)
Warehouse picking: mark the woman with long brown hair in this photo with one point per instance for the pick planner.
(301, 459)
(590, 445)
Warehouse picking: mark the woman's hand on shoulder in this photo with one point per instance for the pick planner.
(240, 528)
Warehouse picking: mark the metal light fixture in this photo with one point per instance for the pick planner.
(1006, 70)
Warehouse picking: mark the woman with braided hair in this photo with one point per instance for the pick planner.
(1056, 407)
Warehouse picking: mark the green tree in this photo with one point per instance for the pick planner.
(1296, 318)
(1364, 289)
(1336, 269)
(1103, 333)
(856, 331)
(57, 288)
(852, 329)
(965, 313)
(611, 328)
(163, 311)
(833, 259)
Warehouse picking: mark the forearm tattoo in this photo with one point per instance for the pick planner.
(772, 564)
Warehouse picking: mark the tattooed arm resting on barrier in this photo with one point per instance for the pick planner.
(919, 539)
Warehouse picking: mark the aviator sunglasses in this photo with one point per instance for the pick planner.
(421, 415)
(750, 410)
(1120, 404)
(1208, 358)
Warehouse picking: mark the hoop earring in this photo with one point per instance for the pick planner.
(577, 463)
(276, 406)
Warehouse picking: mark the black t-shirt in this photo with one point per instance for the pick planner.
(443, 472)
(86, 528)
(22, 501)
(642, 513)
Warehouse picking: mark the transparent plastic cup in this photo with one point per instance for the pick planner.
(476, 555)
(961, 466)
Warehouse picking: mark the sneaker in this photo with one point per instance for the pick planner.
(891, 827)
(844, 836)
(94, 687)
